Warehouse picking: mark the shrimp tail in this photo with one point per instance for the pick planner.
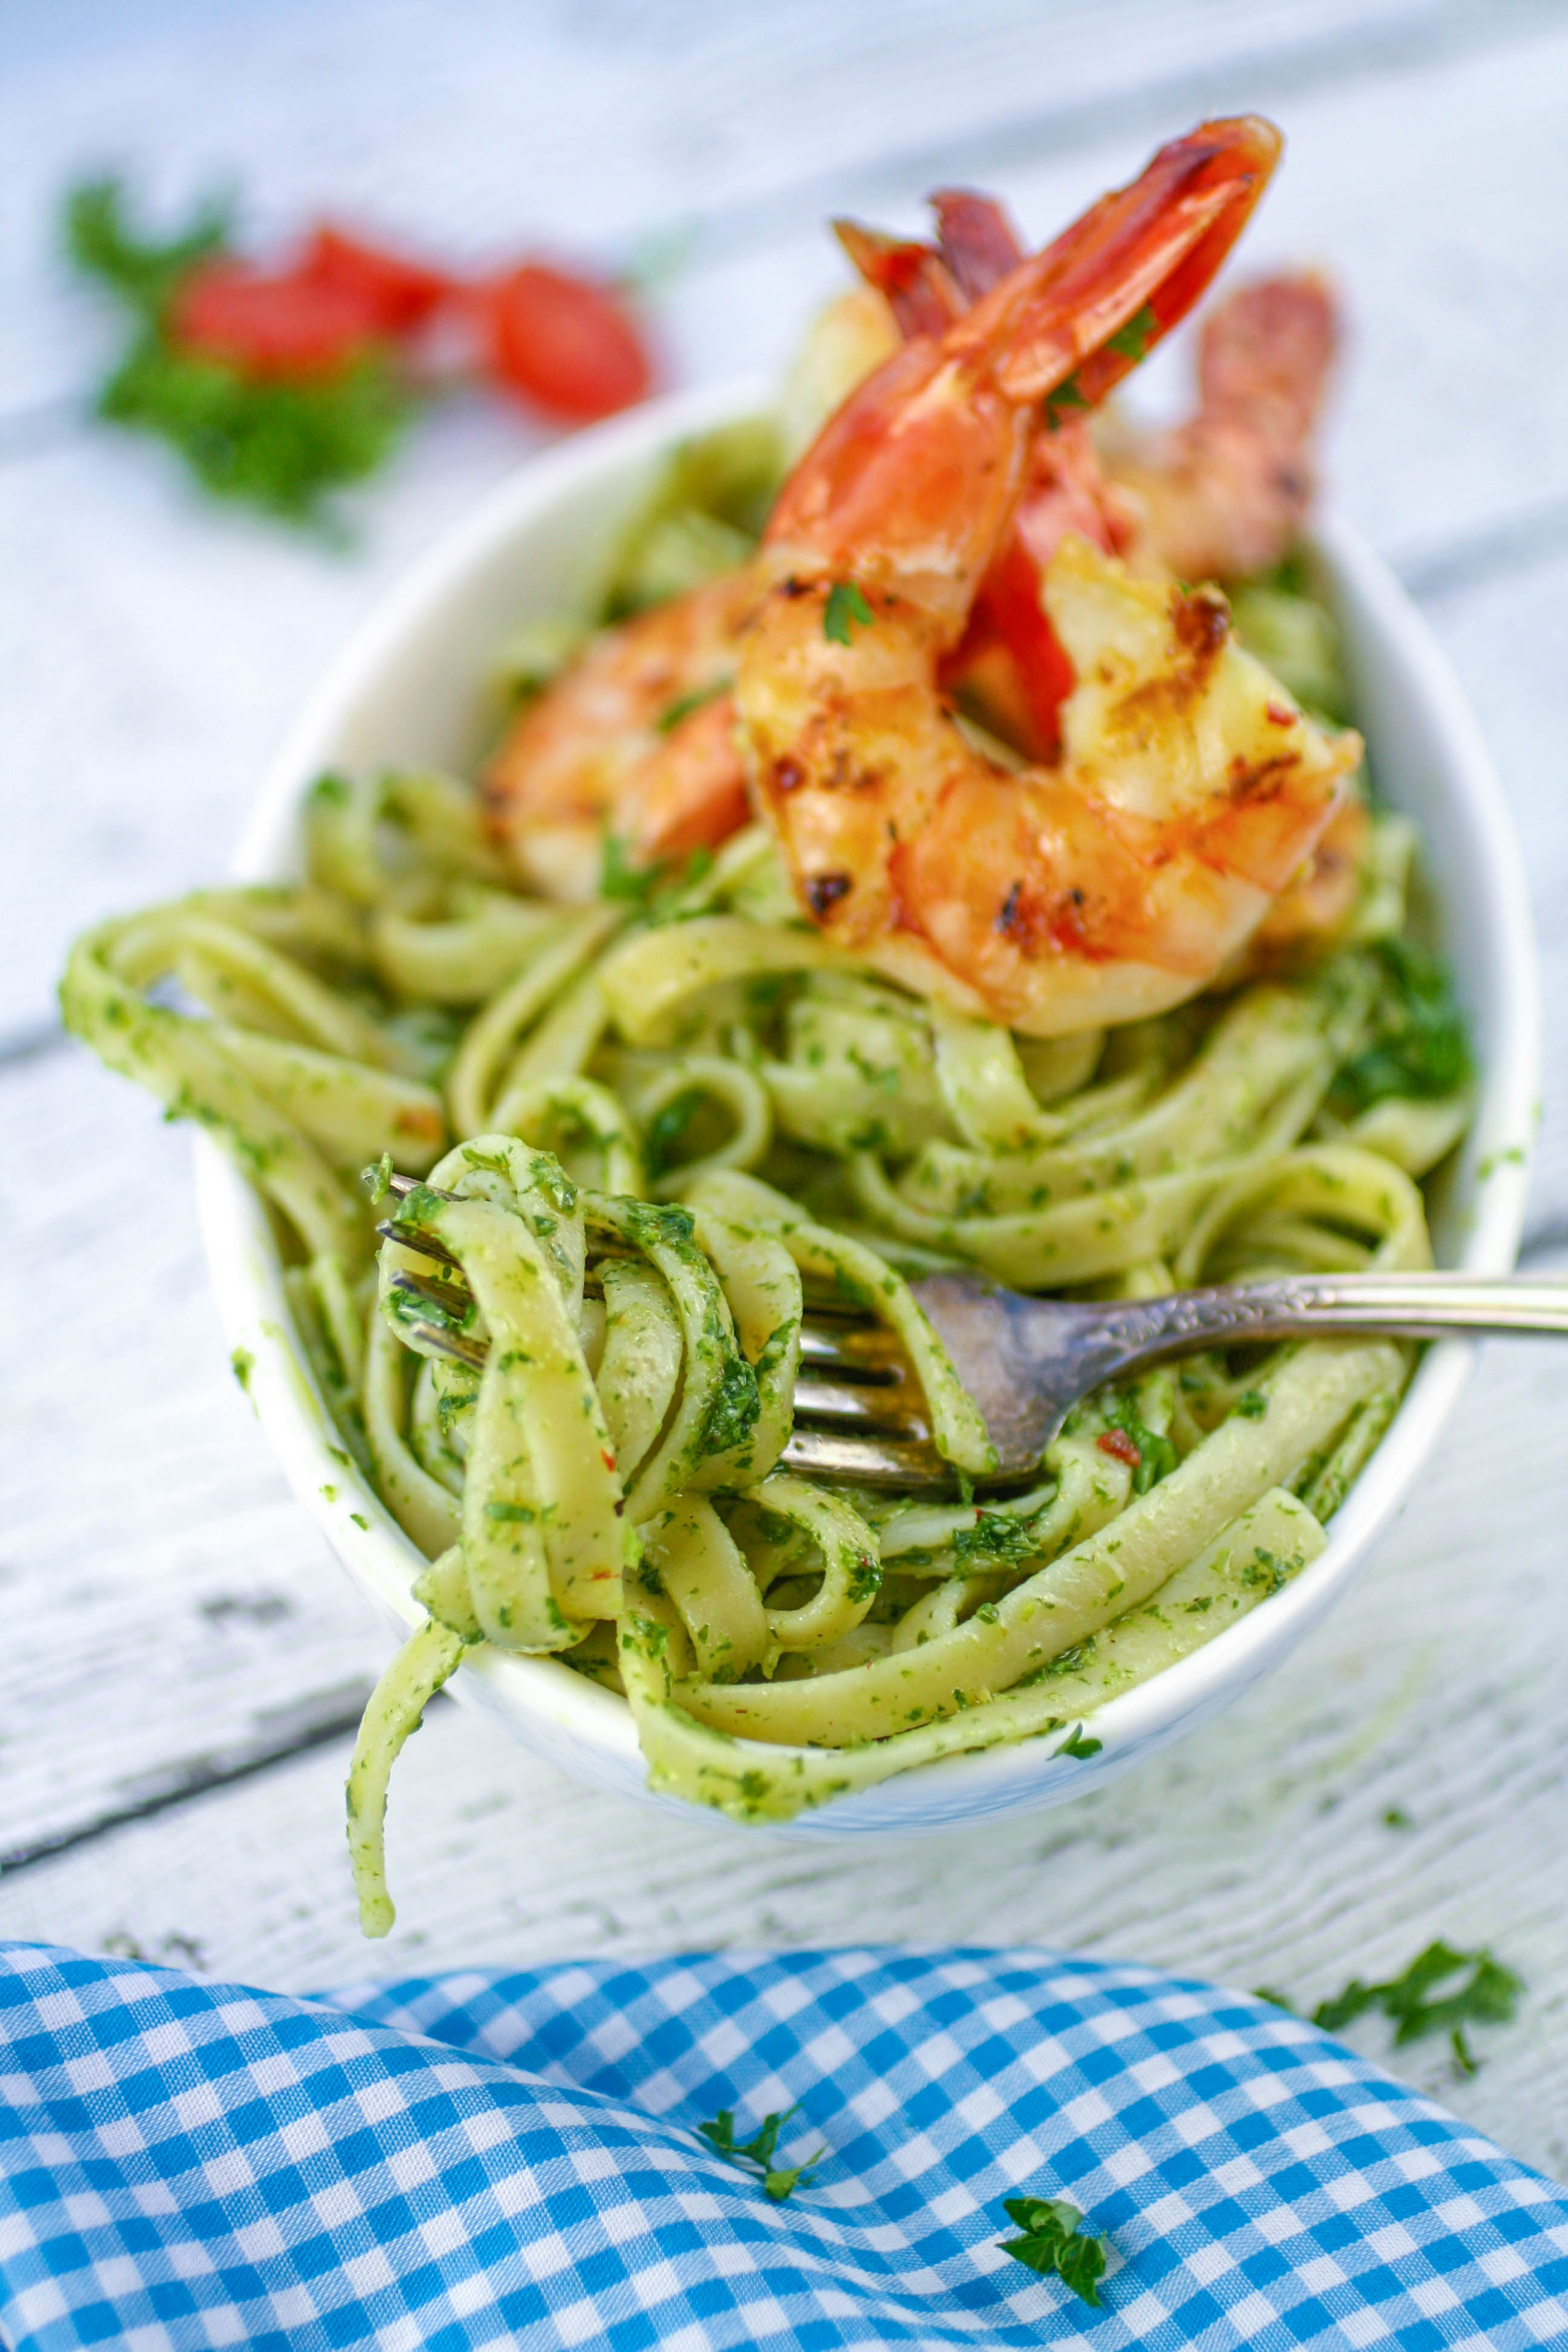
(977, 240)
(1226, 493)
(1072, 323)
(921, 290)
(1137, 260)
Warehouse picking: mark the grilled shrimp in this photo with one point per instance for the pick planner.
(1226, 493)
(1222, 495)
(636, 738)
(1191, 790)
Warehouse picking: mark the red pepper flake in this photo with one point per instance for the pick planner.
(1278, 714)
(1116, 1443)
(606, 1457)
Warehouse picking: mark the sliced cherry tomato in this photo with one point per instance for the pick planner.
(567, 345)
(399, 295)
(288, 325)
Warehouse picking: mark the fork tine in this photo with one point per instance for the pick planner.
(882, 1413)
(863, 1353)
(444, 1296)
(420, 1244)
(873, 1358)
(859, 1414)
(444, 1342)
(902, 1466)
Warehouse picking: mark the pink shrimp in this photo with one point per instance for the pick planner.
(637, 738)
(1226, 493)
(1191, 790)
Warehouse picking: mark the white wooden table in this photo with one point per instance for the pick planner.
(183, 1660)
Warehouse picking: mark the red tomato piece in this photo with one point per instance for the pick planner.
(567, 345)
(286, 326)
(1119, 1446)
(399, 295)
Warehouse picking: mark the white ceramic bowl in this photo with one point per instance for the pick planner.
(411, 687)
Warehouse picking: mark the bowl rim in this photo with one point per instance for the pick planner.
(246, 1270)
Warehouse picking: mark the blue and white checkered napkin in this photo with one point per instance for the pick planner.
(488, 2158)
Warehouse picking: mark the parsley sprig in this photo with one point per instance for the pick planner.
(1481, 1992)
(1052, 2243)
(1418, 1044)
(756, 2154)
(1156, 1453)
(1078, 1746)
(683, 706)
(845, 611)
(278, 446)
(654, 891)
(1132, 341)
(1487, 1995)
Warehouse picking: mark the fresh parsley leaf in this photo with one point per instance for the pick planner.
(280, 446)
(1252, 1404)
(1064, 401)
(1075, 1744)
(376, 1180)
(650, 889)
(1130, 342)
(142, 271)
(266, 443)
(757, 2153)
(1053, 2245)
(662, 1137)
(846, 610)
(684, 705)
(1418, 1044)
(1488, 1995)
(1156, 1453)
(997, 1538)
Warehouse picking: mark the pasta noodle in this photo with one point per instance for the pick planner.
(651, 1130)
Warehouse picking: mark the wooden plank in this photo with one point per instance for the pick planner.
(167, 1600)
(171, 1614)
(152, 650)
(1256, 1852)
(173, 1599)
(734, 118)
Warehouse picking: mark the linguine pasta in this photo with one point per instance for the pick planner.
(653, 1127)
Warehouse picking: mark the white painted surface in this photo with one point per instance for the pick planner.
(167, 1601)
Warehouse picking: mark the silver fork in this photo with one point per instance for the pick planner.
(859, 1414)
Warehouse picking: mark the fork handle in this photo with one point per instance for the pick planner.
(1396, 1306)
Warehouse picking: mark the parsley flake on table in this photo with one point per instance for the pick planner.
(277, 443)
(756, 2154)
(1053, 2245)
(1486, 1994)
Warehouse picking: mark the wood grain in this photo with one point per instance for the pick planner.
(173, 1622)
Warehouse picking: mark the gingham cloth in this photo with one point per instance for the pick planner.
(512, 2158)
